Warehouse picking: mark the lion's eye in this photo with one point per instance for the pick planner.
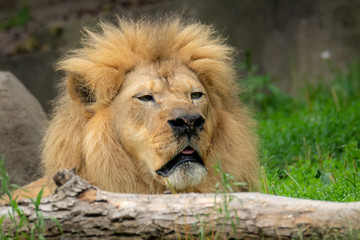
(146, 98)
(196, 95)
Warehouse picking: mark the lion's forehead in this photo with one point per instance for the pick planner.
(151, 80)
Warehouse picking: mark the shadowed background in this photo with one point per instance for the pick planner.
(292, 41)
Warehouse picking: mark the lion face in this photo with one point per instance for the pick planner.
(147, 105)
(163, 120)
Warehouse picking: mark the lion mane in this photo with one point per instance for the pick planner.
(81, 134)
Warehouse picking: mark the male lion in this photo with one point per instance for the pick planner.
(147, 106)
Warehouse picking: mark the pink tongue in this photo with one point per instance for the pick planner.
(188, 151)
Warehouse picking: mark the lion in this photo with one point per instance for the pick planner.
(147, 106)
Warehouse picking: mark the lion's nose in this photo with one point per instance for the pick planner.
(187, 124)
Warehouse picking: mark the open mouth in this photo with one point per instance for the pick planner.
(187, 155)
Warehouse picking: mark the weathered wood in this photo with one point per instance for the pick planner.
(87, 212)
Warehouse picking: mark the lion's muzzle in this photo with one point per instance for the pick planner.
(186, 156)
(187, 124)
(186, 169)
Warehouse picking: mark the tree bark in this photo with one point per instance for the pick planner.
(84, 211)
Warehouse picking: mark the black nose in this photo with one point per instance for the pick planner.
(187, 124)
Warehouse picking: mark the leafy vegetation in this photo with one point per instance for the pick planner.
(18, 19)
(224, 188)
(17, 216)
(309, 144)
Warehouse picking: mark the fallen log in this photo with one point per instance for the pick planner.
(84, 211)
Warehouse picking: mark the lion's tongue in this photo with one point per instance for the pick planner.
(188, 151)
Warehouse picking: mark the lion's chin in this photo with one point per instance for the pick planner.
(184, 171)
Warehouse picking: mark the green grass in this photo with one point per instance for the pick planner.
(19, 220)
(310, 145)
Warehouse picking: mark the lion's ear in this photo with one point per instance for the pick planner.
(94, 89)
(81, 93)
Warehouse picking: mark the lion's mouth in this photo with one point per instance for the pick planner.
(186, 156)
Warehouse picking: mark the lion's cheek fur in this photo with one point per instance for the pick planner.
(107, 164)
(234, 147)
(207, 135)
(139, 141)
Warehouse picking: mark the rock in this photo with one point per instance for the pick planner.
(22, 120)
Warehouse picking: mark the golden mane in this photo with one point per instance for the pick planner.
(105, 57)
